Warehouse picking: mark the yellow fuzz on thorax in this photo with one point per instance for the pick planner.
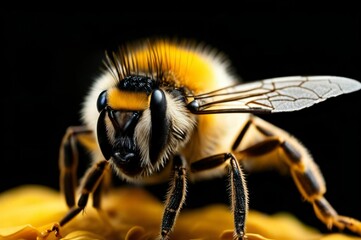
(181, 65)
(126, 100)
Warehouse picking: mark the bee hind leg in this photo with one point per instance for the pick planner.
(238, 188)
(313, 191)
(304, 171)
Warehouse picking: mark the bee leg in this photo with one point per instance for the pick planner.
(101, 188)
(312, 187)
(175, 197)
(239, 195)
(68, 161)
(97, 195)
(91, 181)
(303, 169)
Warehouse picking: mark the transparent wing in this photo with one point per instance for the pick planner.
(282, 94)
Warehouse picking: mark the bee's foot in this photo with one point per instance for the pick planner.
(55, 229)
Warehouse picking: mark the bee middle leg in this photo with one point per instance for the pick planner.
(239, 195)
(175, 197)
(303, 169)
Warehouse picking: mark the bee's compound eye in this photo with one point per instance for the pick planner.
(102, 101)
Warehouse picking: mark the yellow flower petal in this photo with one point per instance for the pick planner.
(133, 214)
(83, 235)
(19, 232)
(338, 236)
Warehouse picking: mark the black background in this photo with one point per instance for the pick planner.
(51, 60)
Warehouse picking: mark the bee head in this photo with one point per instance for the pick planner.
(142, 125)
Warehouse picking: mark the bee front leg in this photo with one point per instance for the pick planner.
(90, 184)
(68, 160)
(175, 197)
(238, 188)
(91, 181)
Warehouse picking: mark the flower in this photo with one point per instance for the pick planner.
(133, 214)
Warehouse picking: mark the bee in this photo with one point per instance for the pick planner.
(173, 110)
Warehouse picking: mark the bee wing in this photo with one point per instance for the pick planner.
(283, 94)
